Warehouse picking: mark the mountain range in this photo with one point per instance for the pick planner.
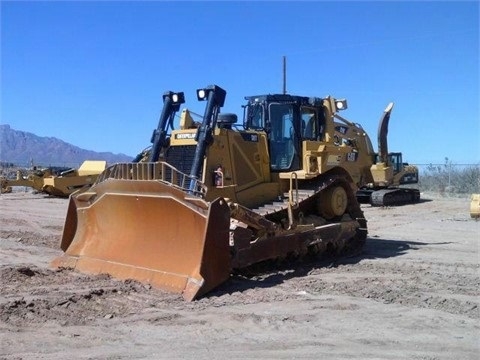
(24, 149)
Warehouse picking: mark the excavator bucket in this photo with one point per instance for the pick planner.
(150, 231)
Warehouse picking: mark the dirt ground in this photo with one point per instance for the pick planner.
(412, 294)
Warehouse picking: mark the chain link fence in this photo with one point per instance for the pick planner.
(449, 178)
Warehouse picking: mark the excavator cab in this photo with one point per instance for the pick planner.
(403, 173)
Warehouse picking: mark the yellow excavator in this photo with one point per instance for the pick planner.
(61, 185)
(217, 197)
(380, 176)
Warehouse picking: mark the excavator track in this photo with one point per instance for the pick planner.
(311, 233)
(393, 197)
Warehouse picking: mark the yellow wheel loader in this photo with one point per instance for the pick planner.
(218, 197)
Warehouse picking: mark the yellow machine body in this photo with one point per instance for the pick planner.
(61, 185)
(475, 206)
(217, 199)
(69, 181)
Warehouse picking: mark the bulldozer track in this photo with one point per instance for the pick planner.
(277, 212)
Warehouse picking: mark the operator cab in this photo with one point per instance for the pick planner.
(288, 120)
(395, 161)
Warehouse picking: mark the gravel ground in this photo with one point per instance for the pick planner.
(412, 294)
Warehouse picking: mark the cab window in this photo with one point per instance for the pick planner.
(282, 149)
(312, 128)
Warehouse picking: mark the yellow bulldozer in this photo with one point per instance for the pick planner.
(61, 185)
(216, 197)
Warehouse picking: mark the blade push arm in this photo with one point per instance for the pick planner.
(171, 104)
(215, 97)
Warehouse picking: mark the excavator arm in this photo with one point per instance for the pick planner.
(382, 135)
(382, 171)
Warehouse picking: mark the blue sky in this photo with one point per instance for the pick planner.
(93, 73)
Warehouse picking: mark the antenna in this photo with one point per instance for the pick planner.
(284, 74)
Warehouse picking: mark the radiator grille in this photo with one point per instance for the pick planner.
(181, 157)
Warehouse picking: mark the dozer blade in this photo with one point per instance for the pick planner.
(148, 231)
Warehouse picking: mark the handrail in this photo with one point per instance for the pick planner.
(290, 192)
(291, 202)
(158, 171)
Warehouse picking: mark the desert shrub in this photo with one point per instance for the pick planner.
(449, 178)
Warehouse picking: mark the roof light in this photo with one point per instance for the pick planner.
(218, 93)
(177, 98)
(201, 94)
(341, 104)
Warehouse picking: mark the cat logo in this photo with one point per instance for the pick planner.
(185, 136)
